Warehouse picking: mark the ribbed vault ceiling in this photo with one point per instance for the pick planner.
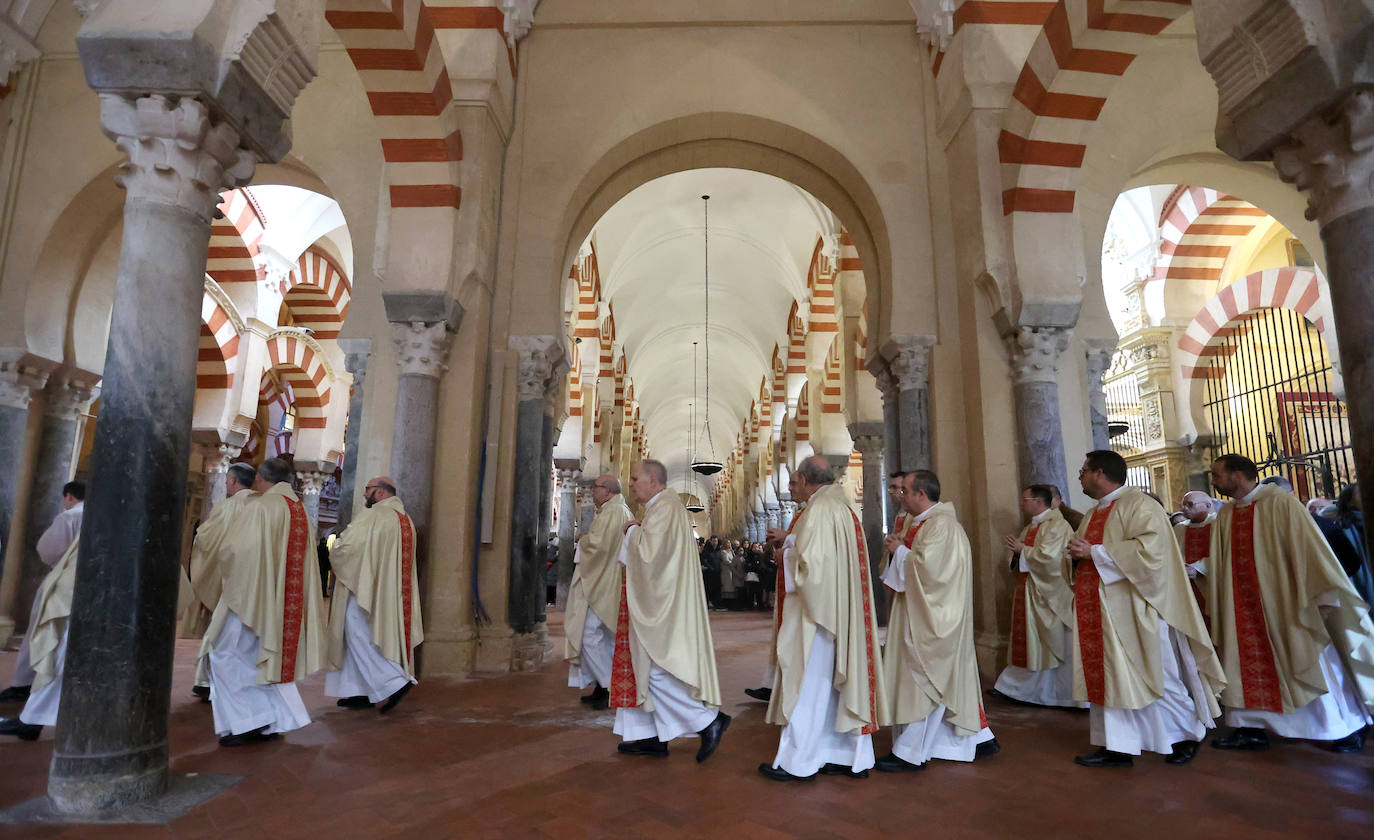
(649, 247)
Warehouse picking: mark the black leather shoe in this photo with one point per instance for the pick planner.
(1352, 743)
(710, 736)
(764, 694)
(201, 691)
(1243, 738)
(838, 770)
(19, 729)
(651, 747)
(357, 701)
(15, 694)
(891, 763)
(1104, 758)
(1184, 752)
(394, 700)
(257, 736)
(986, 749)
(778, 774)
(600, 698)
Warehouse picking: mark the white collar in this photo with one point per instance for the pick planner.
(1250, 497)
(1110, 497)
(79, 507)
(1039, 517)
(922, 517)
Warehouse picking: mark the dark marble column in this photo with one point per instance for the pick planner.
(16, 390)
(111, 746)
(1035, 367)
(539, 357)
(64, 403)
(567, 516)
(356, 353)
(868, 439)
(910, 370)
(1099, 358)
(892, 461)
(422, 327)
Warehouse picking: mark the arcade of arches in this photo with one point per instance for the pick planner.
(465, 244)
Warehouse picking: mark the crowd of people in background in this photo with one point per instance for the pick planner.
(738, 576)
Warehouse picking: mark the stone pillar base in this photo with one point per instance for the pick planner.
(530, 650)
(448, 658)
(78, 786)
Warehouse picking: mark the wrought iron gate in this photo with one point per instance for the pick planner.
(1269, 398)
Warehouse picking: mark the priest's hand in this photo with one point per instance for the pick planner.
(891, 542)
(632, 523)
(1013, 545)
(1080, 549)
(775, 536)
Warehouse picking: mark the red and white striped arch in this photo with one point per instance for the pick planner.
(821, 283)
(234, 239)
(1299, 289)
(296, 363)
(796, 342)
(1198, 229)
(217, 349)
(803, 416)
(832, 389)
(1083, 47)
(318, 294)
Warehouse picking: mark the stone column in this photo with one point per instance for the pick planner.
(1035, 368)
(567, 514)
(1333, 162)
(537, 358)
(789, 512)
(588, 511)
(52, 469)
(312, 482)
(422, 342)
(356, 353)
(1099, 354)
(774, 514)
(16, 390)
(892, 439)
(910, 370)
(111, 746)
(868, 439)
(217, 460)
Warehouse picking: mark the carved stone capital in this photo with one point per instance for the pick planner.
(1036, 352)
(1332, 160)
(421, 348)
(539, 358)
(18, 382)
(178, 155)
(312, 482)
(66, 400)
(1099, 353)
(218, 457)
(519, 18)
(909, 364)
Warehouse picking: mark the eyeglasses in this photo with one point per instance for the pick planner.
(1087, 470)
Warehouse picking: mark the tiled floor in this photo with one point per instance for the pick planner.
(518, 756)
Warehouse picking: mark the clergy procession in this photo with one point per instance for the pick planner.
(253, 568)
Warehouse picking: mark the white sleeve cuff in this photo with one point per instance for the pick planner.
(1021, 564)
(1106, 567)
(895, 576)
(623, 556)
(1198, 568)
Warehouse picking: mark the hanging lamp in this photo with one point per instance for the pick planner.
(707, 466)
(695, 505)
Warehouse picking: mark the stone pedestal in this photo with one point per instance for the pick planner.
(1099, 361)
(539, 362)
(1035, 365)
(356, 353)
(567, 514)
(868, 439)
(910, 370)
(111, 746)
(52, 469)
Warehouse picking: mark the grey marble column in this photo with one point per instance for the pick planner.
(774, 514)
(892, 439)
(312, 482)
(1099, 359)
(868, 439)
(910, 369)
(1035, 367)
(422, 327)
(789, 512)
(567, 515)
(587, 512)
(356, 353)
(538, 359)
(52, 469)
(111, 747)
(217, 459)
(16, 390)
